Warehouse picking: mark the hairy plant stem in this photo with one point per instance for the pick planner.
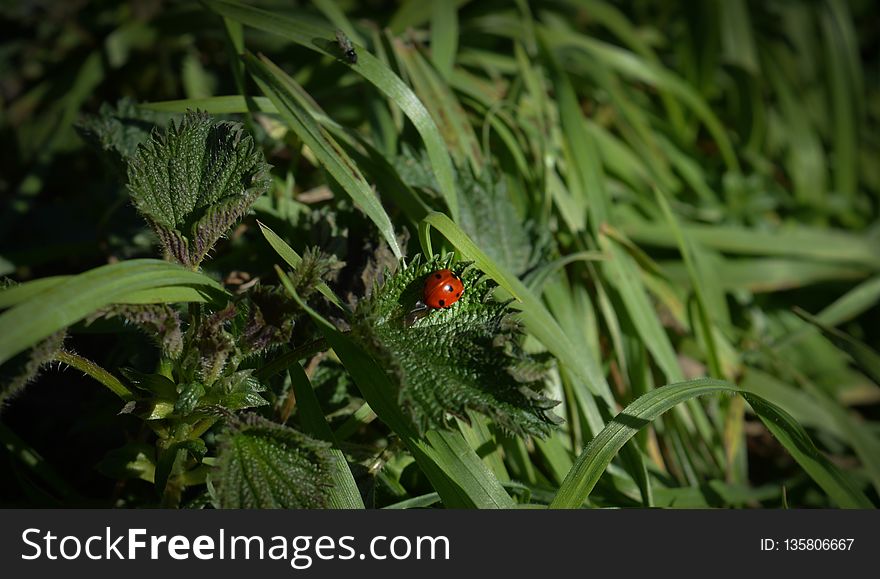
(89, 368)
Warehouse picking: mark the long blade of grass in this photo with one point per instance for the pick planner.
(275, 83)
(345, 494)
(444, 36)
(160, 295)
(321, 40)
(791, 435)
(73, 299)
(794, 241)
(604, 447)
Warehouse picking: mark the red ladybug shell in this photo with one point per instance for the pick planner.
(442, 289)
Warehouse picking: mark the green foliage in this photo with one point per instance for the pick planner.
(264, 465)
(659, 193)
(194, 181)
(464, 357)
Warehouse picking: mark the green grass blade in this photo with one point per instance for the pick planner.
(794, 241)
(276, 85)
(796, 441)
(345, 494)
(690, 261)
(866, 358)
(851, 304)
(73, 299)
(293, 259)
(372, 69)
(444, 36)
(604, 447)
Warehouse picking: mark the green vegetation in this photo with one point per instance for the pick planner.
(219, 219)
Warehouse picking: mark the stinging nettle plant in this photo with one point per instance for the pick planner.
(209, 401)
(192, 182)
(466, 357)
(195, 180)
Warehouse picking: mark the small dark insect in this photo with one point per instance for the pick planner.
(346, 47)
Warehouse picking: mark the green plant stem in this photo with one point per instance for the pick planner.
(89, 368)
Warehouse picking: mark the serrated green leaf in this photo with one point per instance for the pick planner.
(237, 391)
(118, 131)
(193, 181)
(453, 467)
(463, 357)
(189, 397)
(264, 465)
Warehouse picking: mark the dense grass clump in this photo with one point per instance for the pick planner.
(219, 219)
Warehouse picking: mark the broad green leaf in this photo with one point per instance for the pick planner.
(448, 361)
(454, 469)
(193, 182)
(533, 314)
(264, 465)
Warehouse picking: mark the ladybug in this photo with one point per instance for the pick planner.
(442, 289)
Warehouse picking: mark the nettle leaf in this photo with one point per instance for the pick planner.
(509, 240)
(209, 346)
(265, 465)
(193, 181)
(266, 319)
(235, 392)
(465, 357)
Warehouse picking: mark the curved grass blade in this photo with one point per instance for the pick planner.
(320, 40)
(293, 260)
(73, 299)
(162, 295)
(604, 447)
(276, 85)
(797, 442)
(533, 313)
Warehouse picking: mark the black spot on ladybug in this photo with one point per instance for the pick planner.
(458, 294)
(447, 288)
(442, 303)
(438, 276)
